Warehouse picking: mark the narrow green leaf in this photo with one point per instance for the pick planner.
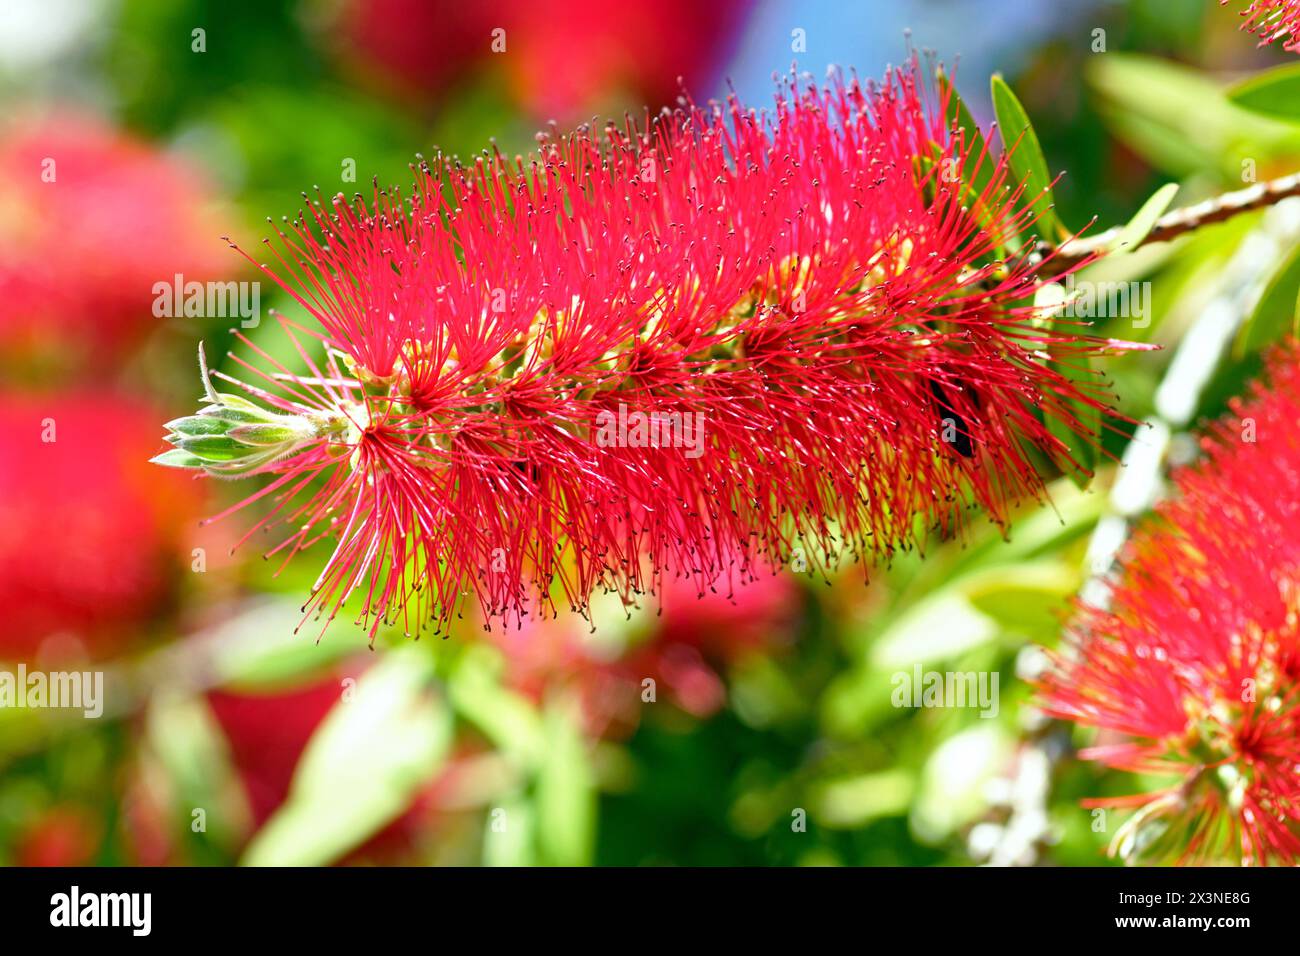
(188, 743)
(1273, 93)
(364, 764)
(978, 163)
(175, 458)
(1140, 226)
(1180, 121)
(509, 838)
(256, 650)
(975, 177)
(1274, 316)
(508, 719)
(1026, 158)
(566, 797)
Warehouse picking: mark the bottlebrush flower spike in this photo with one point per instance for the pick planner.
(1273, 20)
(1195, 668)
(685, 348)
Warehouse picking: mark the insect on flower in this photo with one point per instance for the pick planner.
(1194, 670)
(813, 289)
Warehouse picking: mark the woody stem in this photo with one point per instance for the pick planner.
(1173, 224)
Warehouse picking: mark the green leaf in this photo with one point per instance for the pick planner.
(1180, 121)
(939, 627)
(508, 719)
(1080, 443)
(1274, 316)
(175, 458)
(508, 839)
(976, 177)
(256, 650)
(187, 741)
(851, 802)
(1026, 158)
(566, 797)
(1274, 92)
(1027, 598)
(1140, 226)
(363, 766)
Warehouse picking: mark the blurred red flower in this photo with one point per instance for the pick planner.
(90, 220)
(267, 734)
(1194, 670)
(693, 640)
(92, 537)
(559, 58)
(63, 835)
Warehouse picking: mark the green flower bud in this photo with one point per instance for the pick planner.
(212, 447)
(194, 426)
(233, 436)
(268, 435)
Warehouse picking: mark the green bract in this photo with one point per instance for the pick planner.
(232, 436)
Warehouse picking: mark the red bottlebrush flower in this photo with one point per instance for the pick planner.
(91, 220)
(1273, 21)
(692, 349)
(1195, 668)
(91, 559)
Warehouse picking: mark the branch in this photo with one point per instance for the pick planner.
(1057, 260)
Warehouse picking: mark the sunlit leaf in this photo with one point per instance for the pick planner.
(1140, 226)
(566, 799)
(1026, 158)
(1274, 92)
(363, 766)
(1274, 316)
(508, 719)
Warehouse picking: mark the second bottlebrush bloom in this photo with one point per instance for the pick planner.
(702, 346)
(1193, 671)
